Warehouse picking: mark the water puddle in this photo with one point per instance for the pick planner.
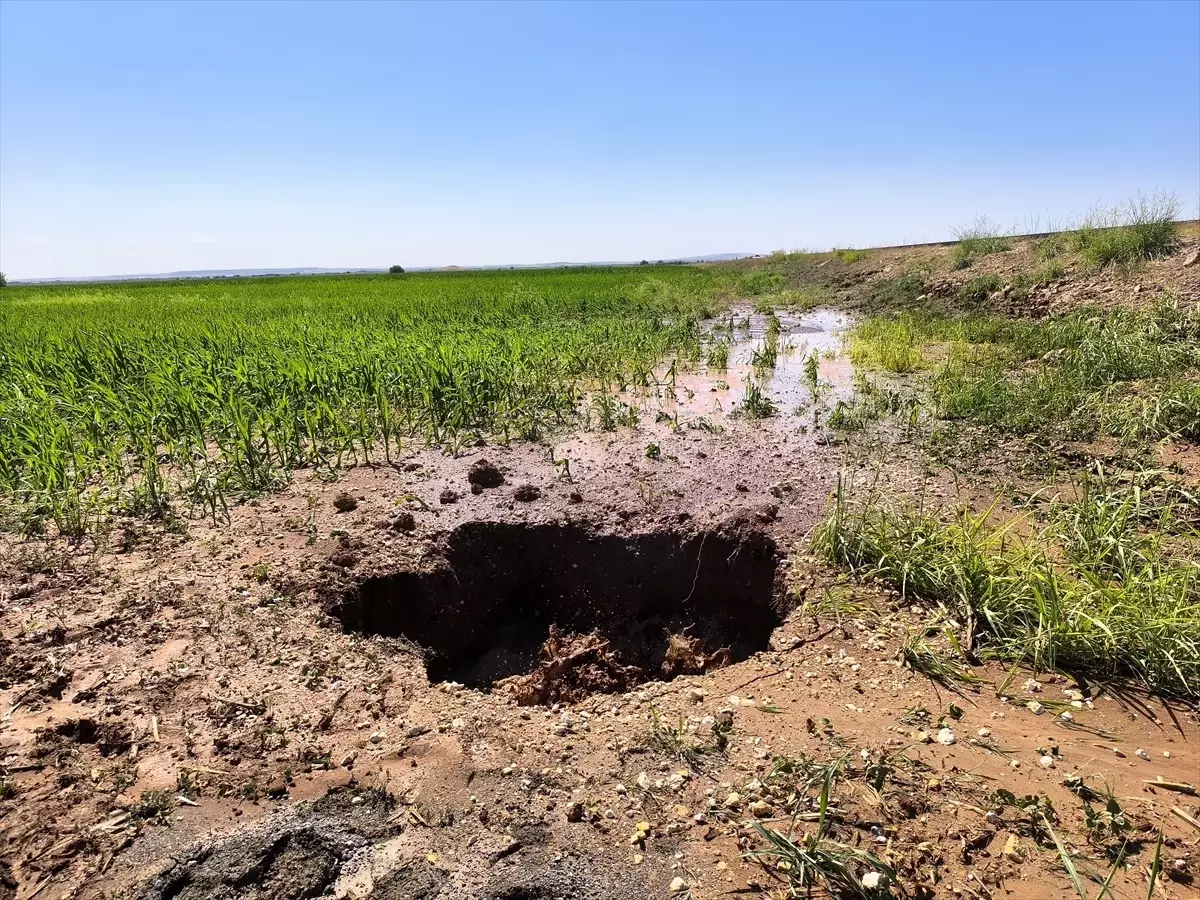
(707, 392)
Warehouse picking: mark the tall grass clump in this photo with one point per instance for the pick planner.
(902, 290)
(890, 343)
(850, 256)
(1131, 232)
(755, 284)
(980, 238)
(1100, 589)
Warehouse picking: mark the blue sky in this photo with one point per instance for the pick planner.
(147, 137)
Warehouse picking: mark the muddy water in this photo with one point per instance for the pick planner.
(700, 393)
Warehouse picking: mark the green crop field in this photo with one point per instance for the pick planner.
(137, 397)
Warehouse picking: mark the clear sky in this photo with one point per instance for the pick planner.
(149, 137)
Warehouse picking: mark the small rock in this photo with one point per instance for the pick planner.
(1012, 849)
(416, 731)
(678, 885)
(1192, 259)
(1033, 686)
(760, 809)
(871, 880)
(733, 801)
(345, 503)
(575, 812)
(448, 496)
(1046, 762)
(924, 738)
(1141, 753)
(1034, 707)
(404, 522)
(277, 787)
(946, 736)
(984, 732)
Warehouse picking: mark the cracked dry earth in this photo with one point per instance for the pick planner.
(473, 678)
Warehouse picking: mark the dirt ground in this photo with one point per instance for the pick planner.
(297, 703)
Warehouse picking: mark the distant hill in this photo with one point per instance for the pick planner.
(319, 270)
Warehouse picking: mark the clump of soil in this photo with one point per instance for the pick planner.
(484, 474)
(527, 493)
(110, 739)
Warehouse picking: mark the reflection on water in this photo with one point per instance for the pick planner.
(711, 393)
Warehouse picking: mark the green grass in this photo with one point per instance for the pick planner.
(157, 397)
(1134, 375)
(815, 860)
(755, 403)
(850, 256)
(1126, 374)
(755, 284)
(1130, 233)
(890, 343)
(980, 238)
(717, 357)
(1107, 584)
(976, 290)
(900, 290)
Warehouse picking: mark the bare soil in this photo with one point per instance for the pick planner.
(496, 676)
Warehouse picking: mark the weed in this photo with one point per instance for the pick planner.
(717, 359)
(679, 743)
(816, 860)
(1073, 873)
(981, 238)
(155, 806)
(1062, 596)
(890, 343)
(917, 655)
(755, 403)
(850, 256)
(898, 291)
(976, 290)
(764, 358)
(1084, 373)
(757, 283)
(1127, 234)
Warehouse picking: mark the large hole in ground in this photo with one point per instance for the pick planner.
(557, 611)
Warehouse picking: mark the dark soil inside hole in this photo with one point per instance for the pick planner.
(511, 600)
